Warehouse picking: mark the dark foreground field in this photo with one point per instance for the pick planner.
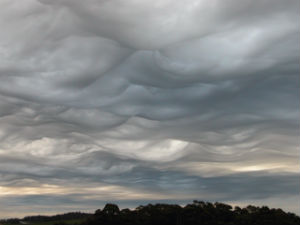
(196, 213)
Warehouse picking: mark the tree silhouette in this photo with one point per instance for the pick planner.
(195, 213)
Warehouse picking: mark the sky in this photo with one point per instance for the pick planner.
(145, 101)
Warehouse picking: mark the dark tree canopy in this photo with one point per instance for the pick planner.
(195, 213)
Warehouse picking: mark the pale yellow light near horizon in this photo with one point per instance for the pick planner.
(99, 192)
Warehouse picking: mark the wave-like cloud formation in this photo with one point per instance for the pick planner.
(148, 100)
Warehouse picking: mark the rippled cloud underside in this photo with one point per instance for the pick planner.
(143, 101)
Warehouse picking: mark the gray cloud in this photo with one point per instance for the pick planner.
(148, 101)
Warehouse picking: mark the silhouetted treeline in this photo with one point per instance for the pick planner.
(197, 213)
(66, 216)
(60, 217)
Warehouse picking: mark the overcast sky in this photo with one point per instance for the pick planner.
(142, 101)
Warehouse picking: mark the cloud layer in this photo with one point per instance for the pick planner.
(142, 101)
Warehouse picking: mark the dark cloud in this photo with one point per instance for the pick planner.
(148, 101)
